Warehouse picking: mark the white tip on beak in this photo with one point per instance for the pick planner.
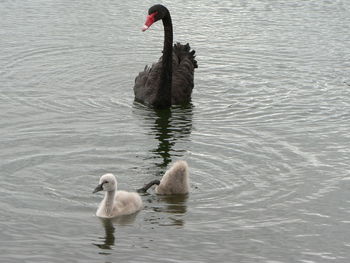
(144, 28)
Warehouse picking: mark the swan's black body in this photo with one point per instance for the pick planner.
(170, 80)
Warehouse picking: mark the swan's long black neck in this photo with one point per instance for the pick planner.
(164, 92)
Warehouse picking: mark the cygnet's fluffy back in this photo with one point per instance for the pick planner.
(175, 180)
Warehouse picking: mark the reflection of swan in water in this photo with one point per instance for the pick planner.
(167, 126)
(175, 204)
(170, 210)
(108, 239)
(108, 224)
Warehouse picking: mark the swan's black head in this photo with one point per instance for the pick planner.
(155, 13)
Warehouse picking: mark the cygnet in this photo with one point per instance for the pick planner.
(174, 181)
(116, 203)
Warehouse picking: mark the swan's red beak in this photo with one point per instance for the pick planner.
(149, 21)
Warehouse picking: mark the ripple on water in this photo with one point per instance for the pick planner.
(257, 151)
(266, 136)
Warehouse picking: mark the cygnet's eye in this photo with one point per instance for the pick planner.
(105, 182)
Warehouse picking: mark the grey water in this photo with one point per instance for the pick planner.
(267, 135)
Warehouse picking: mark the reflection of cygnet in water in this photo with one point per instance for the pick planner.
(116, 203)
(174, 181)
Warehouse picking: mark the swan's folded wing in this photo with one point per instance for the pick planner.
(146, 83)
(184, 64)
(141, 79)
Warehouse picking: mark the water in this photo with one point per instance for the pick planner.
(266, 136)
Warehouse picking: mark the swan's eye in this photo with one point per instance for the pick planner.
(105, 182)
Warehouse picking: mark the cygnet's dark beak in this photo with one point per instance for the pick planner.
(98, 188)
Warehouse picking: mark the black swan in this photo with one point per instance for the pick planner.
(170, 80)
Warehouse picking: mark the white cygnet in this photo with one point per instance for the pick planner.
(116, 203)
(174, 181)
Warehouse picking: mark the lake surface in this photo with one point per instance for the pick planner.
(267, 135)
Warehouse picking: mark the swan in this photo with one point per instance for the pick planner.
(174, 181)
(116, 203)
(170, 80)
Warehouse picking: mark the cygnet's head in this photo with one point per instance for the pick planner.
(107, 183)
